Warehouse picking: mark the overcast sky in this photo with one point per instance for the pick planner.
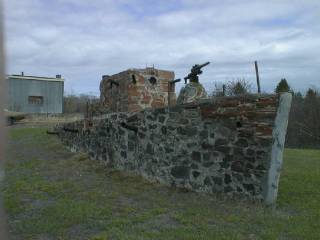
(83, 40)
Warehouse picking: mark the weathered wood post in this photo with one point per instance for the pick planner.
(257, 75)
(223, 89)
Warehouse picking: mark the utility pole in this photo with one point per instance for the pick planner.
(87, 110)
(257, 75)
(223, 89)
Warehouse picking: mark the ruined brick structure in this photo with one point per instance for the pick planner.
(137, 89)
(230, 145)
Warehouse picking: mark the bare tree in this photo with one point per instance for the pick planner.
(238, 87)
(78, 103)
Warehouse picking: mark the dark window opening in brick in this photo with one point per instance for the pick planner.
(134, 81)
(112, 82)
(36, 100)
(153, 80)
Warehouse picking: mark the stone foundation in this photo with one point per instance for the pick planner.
(225, 145)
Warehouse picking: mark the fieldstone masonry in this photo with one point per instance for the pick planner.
(222, 145)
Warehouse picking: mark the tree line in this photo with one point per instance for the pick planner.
(304, 125)
(73, 103)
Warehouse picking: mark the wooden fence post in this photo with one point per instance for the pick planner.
(257, 75)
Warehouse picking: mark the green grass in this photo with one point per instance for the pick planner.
(52, 193)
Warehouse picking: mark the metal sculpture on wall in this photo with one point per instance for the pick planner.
(193, 90)
(195, 71)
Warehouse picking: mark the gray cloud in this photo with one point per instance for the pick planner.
(83, 40)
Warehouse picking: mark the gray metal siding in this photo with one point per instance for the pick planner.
(20, 89)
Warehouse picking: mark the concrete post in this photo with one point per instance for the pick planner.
(278, 140)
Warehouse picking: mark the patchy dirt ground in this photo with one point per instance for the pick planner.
(51, 193)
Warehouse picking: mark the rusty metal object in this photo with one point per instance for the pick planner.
(130, 127)
(70, 130)
(52, 132)
(195, 71)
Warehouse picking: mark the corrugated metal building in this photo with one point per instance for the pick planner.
(31, 94)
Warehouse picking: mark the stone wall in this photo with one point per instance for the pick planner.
(137, 89)
(222, 145)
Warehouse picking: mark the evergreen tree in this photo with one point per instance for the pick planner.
(282, 86)
(304, 125)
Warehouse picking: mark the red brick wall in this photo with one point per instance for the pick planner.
(135, 90)
(254, 115)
